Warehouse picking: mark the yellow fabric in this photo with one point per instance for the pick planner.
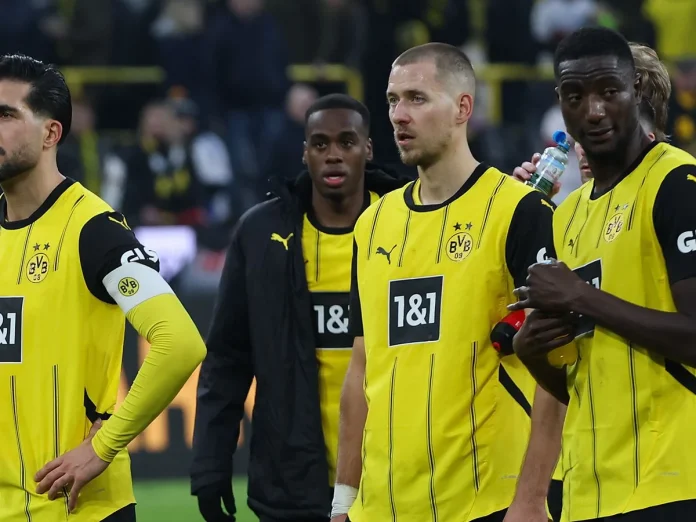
(328, 259)
(673, 21)
(421, 457)
(72, 345)
(629, 426)
(176, 349)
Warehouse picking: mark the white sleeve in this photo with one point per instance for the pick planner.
(133, 283)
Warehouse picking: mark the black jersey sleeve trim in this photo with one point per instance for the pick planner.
(355, 318)
(674, 219)
(107, 242)
(530, 235)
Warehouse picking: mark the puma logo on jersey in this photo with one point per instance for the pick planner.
(279, 239)
(139, 254)
(121, 222)
(691, 177)
(386, 254)
(544, 202)
(686, 242)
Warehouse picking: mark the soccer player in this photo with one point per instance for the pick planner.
(282, 316)
(439, 431)
(548, 414)
(71, 270)
(631, 234)
(654, 106)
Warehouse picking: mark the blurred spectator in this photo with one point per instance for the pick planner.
(551, 20)
(343, 38)
(682, 112)
(210, 160)
(178, 35)
(248, 62)
(300, 23)
(19, 30)
(287, 156)
(674, 26)
(162, 186)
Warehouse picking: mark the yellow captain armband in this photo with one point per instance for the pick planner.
(176, 349)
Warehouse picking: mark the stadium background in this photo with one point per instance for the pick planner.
(184, 108)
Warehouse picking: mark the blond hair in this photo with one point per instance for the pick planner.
(657, 86)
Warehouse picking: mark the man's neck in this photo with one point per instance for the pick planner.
(339, 213)
(606, 172)
(27, 192)
(440, 181)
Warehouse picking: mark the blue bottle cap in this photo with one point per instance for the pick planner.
(561, 140)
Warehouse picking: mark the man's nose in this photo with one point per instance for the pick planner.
(597, 108)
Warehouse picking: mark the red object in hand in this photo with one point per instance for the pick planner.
(505, 330)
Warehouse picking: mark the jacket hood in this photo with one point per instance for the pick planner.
(298, 191)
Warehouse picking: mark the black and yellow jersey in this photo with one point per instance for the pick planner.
(65, 268)
(629, 428)
(328, 253)
(448, 418)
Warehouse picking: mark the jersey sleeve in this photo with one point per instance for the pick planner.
(530, 236)
(674, 218)
(107, 243)
(355, 318)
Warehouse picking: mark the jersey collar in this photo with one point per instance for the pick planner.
(475, 176)
(43, 208)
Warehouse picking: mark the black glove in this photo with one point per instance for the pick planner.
(210, 501)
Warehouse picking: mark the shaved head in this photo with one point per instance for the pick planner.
(454, 68)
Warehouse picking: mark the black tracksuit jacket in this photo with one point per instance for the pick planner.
(263, 327)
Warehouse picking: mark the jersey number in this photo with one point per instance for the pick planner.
(11, 329)
(331, 312)
(414, 310)
(591, 273)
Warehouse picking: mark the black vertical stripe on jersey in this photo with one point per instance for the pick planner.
(442, 234)
(593, 428)
(403, 245)
(610, 200)
(488, 210)
(22, 467)
(24, 253)
(514, 390)
(429, 435)
(575, 249)
(472, 412)
(634, 408)
(317, 257)
(56, 429)
(364, 450)
(374, 225)
(65, 228)
(635, 201)
(391, 441)
(570, 221)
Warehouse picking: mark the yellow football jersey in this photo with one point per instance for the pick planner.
(447, 423)
(328, 253)
(628, 436)
(60, 349)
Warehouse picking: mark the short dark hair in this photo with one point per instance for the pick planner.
(340, 101)
(448, 59)
(49, 95)
(590, 42)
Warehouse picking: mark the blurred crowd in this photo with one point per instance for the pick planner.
(198, 149)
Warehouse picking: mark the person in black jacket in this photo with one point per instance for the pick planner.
(282, 317)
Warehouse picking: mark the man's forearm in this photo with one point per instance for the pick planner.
(669, 334)
(543, 450)
(552, 380)
(351, 427)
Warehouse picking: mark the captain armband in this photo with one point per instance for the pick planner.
(133, 283)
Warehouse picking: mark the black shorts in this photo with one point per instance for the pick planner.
(673, 512)
(126, 514)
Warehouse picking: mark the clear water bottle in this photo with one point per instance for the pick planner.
(551, 165)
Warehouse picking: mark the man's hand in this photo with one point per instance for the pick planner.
(551, 286)
(211, 499)
(542, 333)
(527, 513)
(71, 471)
(524, 172)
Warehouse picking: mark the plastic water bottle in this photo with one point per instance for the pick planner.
(551, 165)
